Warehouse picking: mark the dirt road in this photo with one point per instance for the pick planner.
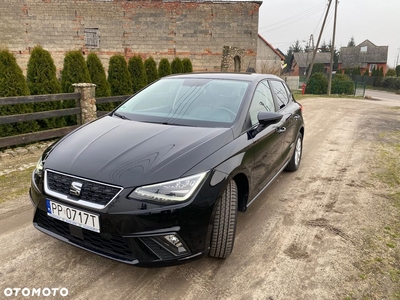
(306, 237)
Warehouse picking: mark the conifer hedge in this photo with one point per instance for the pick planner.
(177, 66)
(151, 70)
(164, 68)
(317, 85)
(42, 79)
(137, 73)
(12, 83)
(187, 65)
(74, 70)
(119, 77)
(99, 78)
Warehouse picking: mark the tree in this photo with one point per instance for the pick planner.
(296, 47)
(151, 69)
(176, 66)
(187, 65)
(317, 85)
(366, 73)
(351, 43)
(398, 71)
(74, 71)
(325, 48)
(164, 68)
(317, 68)
(12, 83)
(119, 77)
(342, 84)
(42, 79)
(357, 71)
(137, 72)
(99, 78)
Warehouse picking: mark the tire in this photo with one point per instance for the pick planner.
(224, 226)
(294, 163)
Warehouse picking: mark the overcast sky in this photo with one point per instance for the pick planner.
(282, 22)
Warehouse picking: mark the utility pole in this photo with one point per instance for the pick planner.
(332, 50)
(308, 51)
(319, 39)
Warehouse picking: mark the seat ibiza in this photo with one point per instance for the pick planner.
(160, 180)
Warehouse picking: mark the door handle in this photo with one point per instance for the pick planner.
(281, 129)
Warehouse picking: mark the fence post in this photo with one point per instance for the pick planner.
(87, 101)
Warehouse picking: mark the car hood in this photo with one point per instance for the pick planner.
(130, 153)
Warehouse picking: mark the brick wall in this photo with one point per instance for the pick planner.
(197, 30)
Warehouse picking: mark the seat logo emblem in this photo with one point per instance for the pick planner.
(75, 188)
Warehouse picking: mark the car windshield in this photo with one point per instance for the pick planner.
(186, 101)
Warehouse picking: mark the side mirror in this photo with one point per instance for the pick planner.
(267, 118)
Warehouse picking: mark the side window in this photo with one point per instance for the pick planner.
(262, 101)
(280, 93)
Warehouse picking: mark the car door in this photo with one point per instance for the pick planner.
(287, 108)
(267, 144)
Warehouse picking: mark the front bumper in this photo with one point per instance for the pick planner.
(135, 236)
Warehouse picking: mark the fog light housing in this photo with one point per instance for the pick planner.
(172, 243)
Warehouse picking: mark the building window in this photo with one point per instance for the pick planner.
(372, 66)
(364, 49)
(92, 38)
(237, 63)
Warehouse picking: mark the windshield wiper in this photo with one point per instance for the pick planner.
(120, 116)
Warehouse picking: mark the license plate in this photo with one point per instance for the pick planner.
(73, 216)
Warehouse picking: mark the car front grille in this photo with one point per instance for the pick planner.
(93, 192)
(109, 245)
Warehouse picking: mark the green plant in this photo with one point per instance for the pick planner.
(42, 79)
(137, 72)
(74, 71)
(357, 71)
(13, 83)
(398, 71)
(151, 70)
(164, 68)
(317, 85)
(390, 72)
(366, 72)
(99, 78)
(317, 68)
(119, 77)
(187, 65)
(176, 66)
(342, 84)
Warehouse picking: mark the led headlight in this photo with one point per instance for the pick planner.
(39, 167)
(171, 191)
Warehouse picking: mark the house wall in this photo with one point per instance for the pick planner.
(384, 66)
(197, 30)
(267, 60)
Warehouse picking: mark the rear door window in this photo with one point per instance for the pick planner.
(280, 92)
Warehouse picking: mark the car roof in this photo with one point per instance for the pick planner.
(251, 77)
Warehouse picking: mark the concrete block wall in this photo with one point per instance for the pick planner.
(197, 30)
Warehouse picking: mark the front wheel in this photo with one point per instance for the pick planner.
(296, 158)
(224, 227)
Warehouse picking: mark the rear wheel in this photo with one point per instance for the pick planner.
(224, 227)
(296, 158)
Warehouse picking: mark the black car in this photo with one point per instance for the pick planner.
(160, 179)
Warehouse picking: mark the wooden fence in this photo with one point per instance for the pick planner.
(46, 134)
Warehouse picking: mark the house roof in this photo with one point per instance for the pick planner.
(303, 61)
(270, 46)
(366, 52)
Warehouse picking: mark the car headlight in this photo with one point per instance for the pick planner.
(178, 190)
(39, 167)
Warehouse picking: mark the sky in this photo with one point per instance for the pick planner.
(282, 22)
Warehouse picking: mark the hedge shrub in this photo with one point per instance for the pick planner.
(74, 70)
(164, 68)
(99, 78)
(187, 65)
(398, 71)
(13, 83)
(317, 85)
(137, 73)
(342, 84)
(317, 68)
(151, 70)
(119, 77)
(177, 66)
(42, 79)
(391, 83)
(390, 73)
